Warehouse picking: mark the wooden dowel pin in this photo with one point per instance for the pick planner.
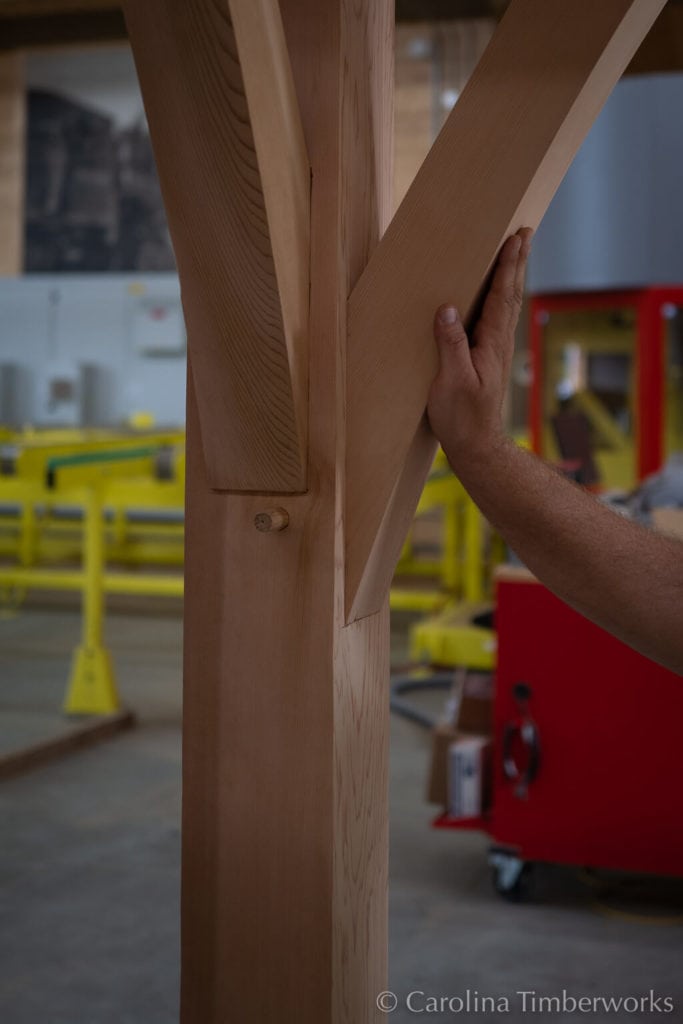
(272, 519)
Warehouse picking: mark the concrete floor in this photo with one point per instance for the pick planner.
(89, 870)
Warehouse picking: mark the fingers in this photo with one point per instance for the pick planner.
(452, 343)
(502, 303)
(526, 235)
(494, 335)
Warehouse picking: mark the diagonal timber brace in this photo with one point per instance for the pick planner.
(493, 169)
(234, 172)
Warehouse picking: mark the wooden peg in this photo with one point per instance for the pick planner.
(272, 519)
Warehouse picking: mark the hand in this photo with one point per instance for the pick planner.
(466, 397)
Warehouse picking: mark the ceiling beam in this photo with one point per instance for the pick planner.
(448, 10)
(662, 49)
(25, 24)
(45, 8)
(33, 31)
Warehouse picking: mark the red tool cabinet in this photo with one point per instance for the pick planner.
(594, 736)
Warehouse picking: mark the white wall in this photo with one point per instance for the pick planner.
(52, 324)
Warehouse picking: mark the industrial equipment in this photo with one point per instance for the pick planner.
(586, 766)
(607, 386)
(98, 498)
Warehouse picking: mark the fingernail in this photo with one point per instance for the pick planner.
(516, 244)
(448, 315)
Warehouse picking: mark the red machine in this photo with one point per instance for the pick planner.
(587, 759)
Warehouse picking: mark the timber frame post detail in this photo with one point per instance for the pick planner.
(309, 312)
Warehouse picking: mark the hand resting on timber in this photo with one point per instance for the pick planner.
(621, 575)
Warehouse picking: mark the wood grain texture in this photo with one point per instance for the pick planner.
(235, 177)
(494, 168)
(257, 756)
(284, 896)
(12, 162)
(285, 175)
(361, 651)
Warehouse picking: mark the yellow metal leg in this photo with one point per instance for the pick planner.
(92, 690)
(474, 581)
(27, 533)
(451, 541)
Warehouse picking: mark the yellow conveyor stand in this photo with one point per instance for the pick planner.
(87, 473)
(460, 579)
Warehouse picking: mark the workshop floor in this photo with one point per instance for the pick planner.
(89, 870)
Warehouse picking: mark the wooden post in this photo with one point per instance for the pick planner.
(284, 898)
(12, 162)
(286, 709)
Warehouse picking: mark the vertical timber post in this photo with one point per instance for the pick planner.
(285, 831)
(12, 162)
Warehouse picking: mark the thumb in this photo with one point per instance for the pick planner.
(452, 343)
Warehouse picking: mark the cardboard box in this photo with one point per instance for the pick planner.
(437, 790)
(470, 706)
(475, 714)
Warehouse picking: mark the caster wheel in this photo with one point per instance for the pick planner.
(511, 876)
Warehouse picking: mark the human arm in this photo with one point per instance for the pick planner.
(619, 574)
